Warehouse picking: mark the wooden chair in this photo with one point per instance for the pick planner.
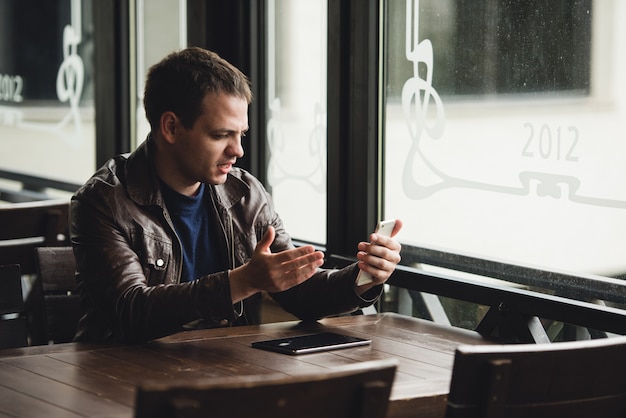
(56, 270)
(577, 379)
(357, 390)
(13, 325)
(25, 226)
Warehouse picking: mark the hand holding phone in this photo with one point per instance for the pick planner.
(384, 228)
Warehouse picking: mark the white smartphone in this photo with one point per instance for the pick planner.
(383, 228)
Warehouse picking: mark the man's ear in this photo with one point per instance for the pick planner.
(169, 125)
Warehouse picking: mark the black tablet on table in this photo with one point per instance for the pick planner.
(311, 343)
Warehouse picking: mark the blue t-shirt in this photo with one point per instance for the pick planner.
(190, 215)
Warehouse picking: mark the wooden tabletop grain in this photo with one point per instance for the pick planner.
(87, 380)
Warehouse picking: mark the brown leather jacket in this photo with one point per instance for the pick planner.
(129, 257)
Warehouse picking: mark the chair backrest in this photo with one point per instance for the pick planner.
(56, 271)
(576, 379)
(357, 390)
(13, 325)
(25, 226)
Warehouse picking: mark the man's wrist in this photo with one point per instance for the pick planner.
(238, 289)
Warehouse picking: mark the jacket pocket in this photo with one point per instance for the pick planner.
(155, 255)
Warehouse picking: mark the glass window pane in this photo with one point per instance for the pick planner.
(296, 112)
(161, 29)
(46, 89)
(505, 127)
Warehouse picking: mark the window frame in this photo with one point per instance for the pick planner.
(113, 85)
(354, 180)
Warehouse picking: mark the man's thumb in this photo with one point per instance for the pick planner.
(266, 241)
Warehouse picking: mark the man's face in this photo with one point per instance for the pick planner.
(206, 152)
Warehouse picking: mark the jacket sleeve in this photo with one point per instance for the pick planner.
(328, 292)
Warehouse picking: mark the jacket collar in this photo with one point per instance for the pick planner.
(144, 188)
(142, 182)
(232, 191)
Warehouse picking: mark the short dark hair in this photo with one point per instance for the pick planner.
(179, 82)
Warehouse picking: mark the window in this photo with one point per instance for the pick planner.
(499, 47)
(46, 89)
(296, 115)
(161, 29)
(503, 129)
(526, 168)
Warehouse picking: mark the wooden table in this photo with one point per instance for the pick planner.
(78, 379)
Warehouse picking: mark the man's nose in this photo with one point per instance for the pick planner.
(235, 148)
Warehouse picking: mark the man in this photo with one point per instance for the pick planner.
(173, 236)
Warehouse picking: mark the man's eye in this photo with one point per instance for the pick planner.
(226, 135)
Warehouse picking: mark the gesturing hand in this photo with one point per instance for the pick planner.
(273, 272)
